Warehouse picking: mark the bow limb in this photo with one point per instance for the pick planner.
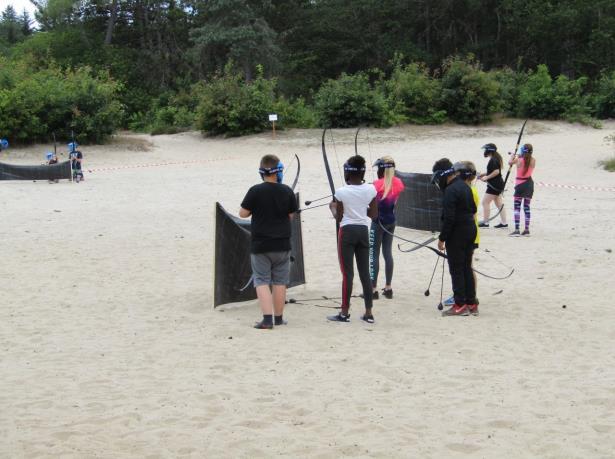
(514, 154)
(296, 180)
(356, 135)
(329, 176)
(417, 244)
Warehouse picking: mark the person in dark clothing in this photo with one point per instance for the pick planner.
(495, 186)
(354, 208)
(458, 233)
(76, 158)
(272, 206)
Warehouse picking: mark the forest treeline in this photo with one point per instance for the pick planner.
(94, 66)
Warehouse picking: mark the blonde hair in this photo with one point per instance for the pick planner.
(389, 173)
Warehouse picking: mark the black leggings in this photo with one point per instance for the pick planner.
(353, 242)
(460, 250)
(379, 237)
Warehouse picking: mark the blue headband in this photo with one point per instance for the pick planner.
(278, 170)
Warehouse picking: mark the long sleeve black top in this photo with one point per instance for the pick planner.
(458, 208)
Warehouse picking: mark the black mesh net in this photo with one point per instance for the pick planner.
(233, 272)
(420, 204)
(42, 172)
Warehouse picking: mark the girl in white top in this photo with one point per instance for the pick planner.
(354, 208)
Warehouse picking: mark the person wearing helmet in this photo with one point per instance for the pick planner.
(354, 208)
(524, 186)
(76, 159)
(388, 188)
(52, 159)
(4, 144)
(458, 233)
(495, 186)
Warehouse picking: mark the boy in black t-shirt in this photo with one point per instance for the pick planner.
(271, 205)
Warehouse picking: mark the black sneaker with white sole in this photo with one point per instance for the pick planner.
(339, 318)
(501, 225)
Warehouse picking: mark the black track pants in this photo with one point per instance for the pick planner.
(460, 249)
(353, 243)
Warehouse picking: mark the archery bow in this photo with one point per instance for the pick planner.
(329, 176)
(441, 254)
(514, 154)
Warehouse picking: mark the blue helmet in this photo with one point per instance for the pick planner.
(277, 170)
(49, 155)
(72, 146)
(4, 144)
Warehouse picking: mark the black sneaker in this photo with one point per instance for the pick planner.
(501, 225)
(375, 295)
(281, 322)
(339, 318)
(525, 232)
(263, 326)
(483, 225)
(515, 233)
(369, 319)
(387, 293)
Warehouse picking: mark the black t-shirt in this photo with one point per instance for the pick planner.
(270, 204)
(74, 155)
(497, 183)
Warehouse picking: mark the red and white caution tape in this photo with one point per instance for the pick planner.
(576, 187)
(172, 163)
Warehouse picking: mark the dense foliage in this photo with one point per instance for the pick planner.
(160, 66)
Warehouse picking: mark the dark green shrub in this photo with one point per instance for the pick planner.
(351, 101)
(414, 95)
(232, 107)
(469, 95)
(509, 83)
(603, 100)
(295, 114)
(36, 103)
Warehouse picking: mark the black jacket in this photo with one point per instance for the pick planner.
(458, 208)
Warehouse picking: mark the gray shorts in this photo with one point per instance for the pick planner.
(270, 268)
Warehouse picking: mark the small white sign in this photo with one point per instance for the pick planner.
(273, 117)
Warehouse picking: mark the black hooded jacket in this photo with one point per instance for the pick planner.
(458, 209)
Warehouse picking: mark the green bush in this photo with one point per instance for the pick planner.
(170, 113)
(509, 83)
(232, 107)
(414, 95)
(295, 114)
(351, 101)
(608, 164)
(603, 100)
(469, 95)
(544, 98)
(35, 104)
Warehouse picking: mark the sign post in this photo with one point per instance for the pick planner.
(273, 117)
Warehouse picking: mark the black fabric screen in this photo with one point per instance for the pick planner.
(42, 172)
(232, 258)
(420, 204)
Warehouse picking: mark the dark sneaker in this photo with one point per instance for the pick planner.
(515, 233)
(456, 310)
(281, 322)
(387, 293)
(375, 295)
(367, 318)
(263, 326)
(501, 225)
(473, 309)
(339, 318)
(525, 232)
(484, 225)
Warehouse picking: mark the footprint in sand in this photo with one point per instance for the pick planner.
(463, 448)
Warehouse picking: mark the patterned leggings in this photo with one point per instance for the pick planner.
(526, 211)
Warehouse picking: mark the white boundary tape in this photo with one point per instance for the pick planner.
(174, 163)
(576, 187)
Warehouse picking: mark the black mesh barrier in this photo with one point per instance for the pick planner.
(420, 204)
(233, 272)
(42, 172)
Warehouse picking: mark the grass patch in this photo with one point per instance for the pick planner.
(608, 164)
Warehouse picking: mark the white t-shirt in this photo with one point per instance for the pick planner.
(356, 199)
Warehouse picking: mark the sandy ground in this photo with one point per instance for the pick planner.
(109, 346)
